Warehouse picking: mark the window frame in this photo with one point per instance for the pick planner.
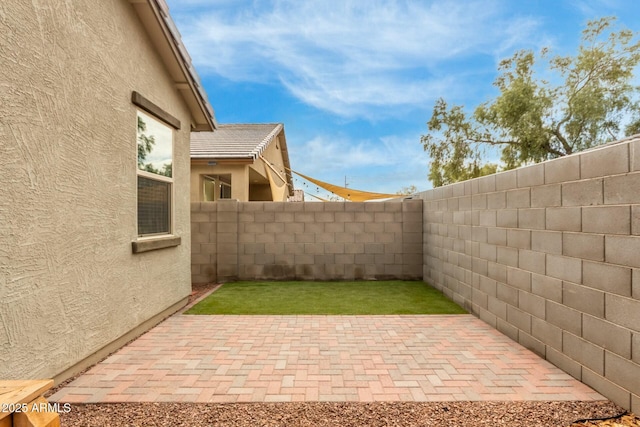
(153, 241)
(219, 185)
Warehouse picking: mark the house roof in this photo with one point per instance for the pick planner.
(235, 141)
(155, 18)
(241, 142)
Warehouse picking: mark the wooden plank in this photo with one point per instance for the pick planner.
(152, 108)
(22, 391)
(38, 418)
(16, 392)
(5, 421)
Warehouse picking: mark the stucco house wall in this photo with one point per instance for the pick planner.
(239, 178)
(69, 282)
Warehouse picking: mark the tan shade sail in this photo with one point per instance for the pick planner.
(348, 193)
(278, 192)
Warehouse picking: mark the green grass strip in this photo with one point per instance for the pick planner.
(347, 298)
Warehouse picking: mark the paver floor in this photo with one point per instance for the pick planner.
(322, 358)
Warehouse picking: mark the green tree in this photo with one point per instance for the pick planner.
(406, 191)
(145, 145)
(533, 119)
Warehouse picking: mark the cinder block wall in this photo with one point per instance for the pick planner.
(310, 241)
(550, 255)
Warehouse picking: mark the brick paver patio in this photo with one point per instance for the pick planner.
(323, 358)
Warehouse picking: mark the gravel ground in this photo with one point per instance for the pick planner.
(405, 414)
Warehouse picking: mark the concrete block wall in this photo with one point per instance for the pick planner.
(549, 254)
(309, 241)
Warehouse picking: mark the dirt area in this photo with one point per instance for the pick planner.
(405, 414)
(200, 290)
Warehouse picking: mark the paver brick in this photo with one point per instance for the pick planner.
(347, 358)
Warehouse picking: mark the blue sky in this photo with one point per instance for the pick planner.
(355, 81)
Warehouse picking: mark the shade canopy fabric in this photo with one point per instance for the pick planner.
(348, 193)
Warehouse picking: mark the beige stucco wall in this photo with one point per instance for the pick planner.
(69, 283)
(239, 179)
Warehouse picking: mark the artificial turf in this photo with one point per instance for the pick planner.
(346, 298)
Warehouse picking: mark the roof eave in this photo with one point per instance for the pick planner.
(285, 160)
(156, 21)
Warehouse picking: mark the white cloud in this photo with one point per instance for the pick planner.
(385, 165)
(593, 8)
(327, 154)
(350, 57)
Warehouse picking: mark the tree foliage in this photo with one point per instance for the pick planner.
(533, 119)
(145, 143)
(145, 147)
(407, 191)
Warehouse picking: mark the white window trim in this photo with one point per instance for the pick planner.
(149, 242)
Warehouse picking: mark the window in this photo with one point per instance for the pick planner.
(216, 187)
(155, 176)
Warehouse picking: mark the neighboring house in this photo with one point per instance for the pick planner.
(97, 103)
(246, 162)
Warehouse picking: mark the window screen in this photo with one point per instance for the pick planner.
(154, 206)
